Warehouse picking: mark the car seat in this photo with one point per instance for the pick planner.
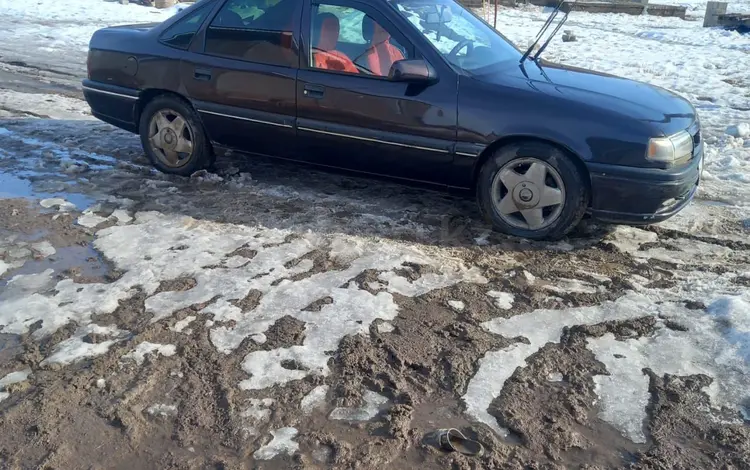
(381, 54)
(325, 55)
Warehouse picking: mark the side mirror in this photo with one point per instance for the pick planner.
(412, 71)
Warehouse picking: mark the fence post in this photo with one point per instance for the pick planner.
(713, 10)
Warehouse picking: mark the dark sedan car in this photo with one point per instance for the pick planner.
(418, 90)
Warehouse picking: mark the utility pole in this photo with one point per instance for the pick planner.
(494, 22)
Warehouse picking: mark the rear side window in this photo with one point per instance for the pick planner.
(255, 31)
(181, 33)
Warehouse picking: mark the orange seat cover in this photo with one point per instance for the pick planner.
(325, 55)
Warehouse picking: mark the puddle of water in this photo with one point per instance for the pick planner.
(11, 186)
(87, 262)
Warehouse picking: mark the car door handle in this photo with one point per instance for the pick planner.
(314, 91)
(202, 74)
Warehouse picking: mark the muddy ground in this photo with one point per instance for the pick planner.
(185, 409)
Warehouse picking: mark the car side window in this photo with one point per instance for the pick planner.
(181, 33)
(259, 31)
(346, 39)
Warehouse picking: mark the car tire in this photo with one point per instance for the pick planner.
(532, 190)
(173, 137)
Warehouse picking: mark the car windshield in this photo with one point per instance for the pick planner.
(461, 37)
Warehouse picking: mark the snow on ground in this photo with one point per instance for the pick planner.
(77, 347)
(43, 105)
(715, 343)
(158, 248)
(142, 350)
(162, 410)
(313, 400)
(57, 32)
(282, 443)
(503, 300)
(10, 379)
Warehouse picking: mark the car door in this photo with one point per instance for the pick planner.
(353, 116)
(241, 75)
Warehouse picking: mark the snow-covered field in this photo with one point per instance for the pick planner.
(320, 301)
(57, 33)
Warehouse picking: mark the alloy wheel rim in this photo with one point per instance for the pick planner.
(528, 193)
(171, 138)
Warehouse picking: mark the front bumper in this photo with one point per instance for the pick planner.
(641, 196)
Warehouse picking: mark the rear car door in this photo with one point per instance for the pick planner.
(241, 75)
(350, 115)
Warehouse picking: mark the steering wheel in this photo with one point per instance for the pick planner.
(453, 54)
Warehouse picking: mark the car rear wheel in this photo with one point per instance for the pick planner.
(173, 137)
(532, 190)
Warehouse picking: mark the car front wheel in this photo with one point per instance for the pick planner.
(532, 190)
(173, 137)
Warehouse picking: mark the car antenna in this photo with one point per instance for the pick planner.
(546, 26)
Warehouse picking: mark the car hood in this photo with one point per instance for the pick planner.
(668, 111)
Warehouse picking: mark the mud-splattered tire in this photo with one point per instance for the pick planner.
(173, 136)
(532, 190)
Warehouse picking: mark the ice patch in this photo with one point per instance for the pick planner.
(623, 395)
(629, 239)
(122, 217)
(314, 400)
(162, 410)
(685, 251)
(323, 330)
(259, 338)
(61, 204)
(502, 300)
(53, 105)
(19, 253)
(456, 305)
(739, 130)
(44, 249)
(373, 402)
(376, 285)
(4, 267)
(156, 248)
(236, 261)
(385, 327)
(82, 344)
(139, 353)
(182, 324)
(554, 377)
(427, 282)
(258, 411)
(89, 219)
(566, 286)
(539, 327)
(717, 344)
(282, 443)
(14, 378)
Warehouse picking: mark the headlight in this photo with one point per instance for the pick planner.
(671, 149)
